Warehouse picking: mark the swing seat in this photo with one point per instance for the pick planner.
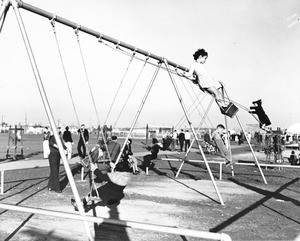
(230, 110)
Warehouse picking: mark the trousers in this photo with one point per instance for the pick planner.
(81, 149)
(54, 162)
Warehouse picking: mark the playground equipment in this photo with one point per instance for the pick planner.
(14, 148)
(163, 63)
(232, 112)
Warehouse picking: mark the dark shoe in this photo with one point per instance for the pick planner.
(73, 202)
(222, 108)
(151, 165)
(83, 201)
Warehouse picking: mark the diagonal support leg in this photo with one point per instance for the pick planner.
(228, 137)
(255, 158)
(4, 6)
(249, 144)
(193, 130)
(49, 114)
(189, 149)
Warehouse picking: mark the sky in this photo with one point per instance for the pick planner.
(251, 48)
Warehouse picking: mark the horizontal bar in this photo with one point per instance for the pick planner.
(248, 164)
(122, 223)
(171, 159)
(267, 165)
(180, 160)
(94, 33)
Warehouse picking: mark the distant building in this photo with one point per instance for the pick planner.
(35, 129)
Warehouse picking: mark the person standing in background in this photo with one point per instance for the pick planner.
(174, 140)
(46, 136)
(67, 137)
(181, 138)
(83, 141)
(187, 138)
(54, 162)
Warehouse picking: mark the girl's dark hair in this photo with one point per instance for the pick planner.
(199, 52)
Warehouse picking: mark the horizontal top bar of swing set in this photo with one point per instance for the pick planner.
(94, 33)
(121, 223)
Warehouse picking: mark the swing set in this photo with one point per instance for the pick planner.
(148, 59)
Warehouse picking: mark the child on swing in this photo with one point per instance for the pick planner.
(111, 192)
(218, 142)
(198, 74)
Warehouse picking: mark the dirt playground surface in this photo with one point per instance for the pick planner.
(252, 211)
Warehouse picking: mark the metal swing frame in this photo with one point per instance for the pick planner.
(16, 4)
(225, 95)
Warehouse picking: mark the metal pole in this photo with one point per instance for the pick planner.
(190, 147)
(193, 130)
(49, 113)
(139, 111)
(2, 181)
(249, 144)
(257, 163)
(94, 33)
(229, 145)
(122, 223)
(228, 137)
(3, 11)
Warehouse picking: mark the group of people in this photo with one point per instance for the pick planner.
(184, 139)
(111, 192)
(51, 151)
(67, 139)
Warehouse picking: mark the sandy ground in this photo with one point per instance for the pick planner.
(252, 211)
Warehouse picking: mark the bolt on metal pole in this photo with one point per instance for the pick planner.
(49, 114)
(193, 130)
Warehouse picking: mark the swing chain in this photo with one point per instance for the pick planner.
(89, 85)
(77, 29)
(52, 21)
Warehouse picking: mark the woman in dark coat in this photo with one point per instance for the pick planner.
(54, 162)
